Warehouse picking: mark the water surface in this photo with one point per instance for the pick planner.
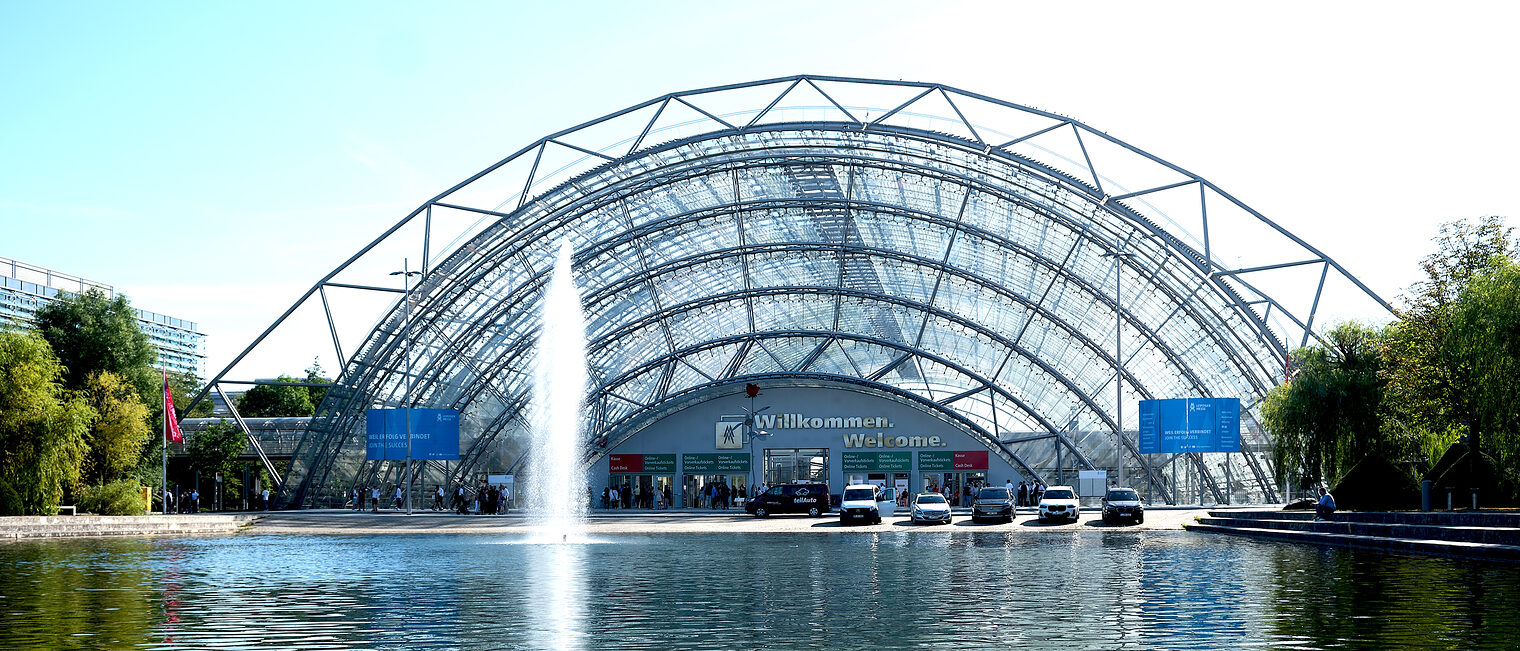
(1108, 589)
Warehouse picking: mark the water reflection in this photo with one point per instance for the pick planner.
(884, 589)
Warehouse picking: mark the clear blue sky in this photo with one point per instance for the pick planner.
(212, 160)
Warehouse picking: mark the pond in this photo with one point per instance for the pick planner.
(1108, 589)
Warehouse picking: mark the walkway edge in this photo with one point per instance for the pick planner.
(1485, 551)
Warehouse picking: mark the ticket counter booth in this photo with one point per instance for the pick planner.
(641, 479)
(952, 473)
(699, 471)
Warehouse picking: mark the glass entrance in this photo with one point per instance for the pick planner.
(790, 465)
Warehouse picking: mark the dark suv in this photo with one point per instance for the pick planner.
(1123, 504)
(992, 503)
(812, 499)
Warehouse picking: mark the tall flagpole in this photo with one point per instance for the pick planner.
(163, 407)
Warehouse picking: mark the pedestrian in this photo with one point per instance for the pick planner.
(374, 498)
(615, 498)
(396, 501)
(1326, 506)
(195, 500)
(668, 503)
(264, 499)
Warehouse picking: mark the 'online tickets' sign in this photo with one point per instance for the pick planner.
(1189, 425)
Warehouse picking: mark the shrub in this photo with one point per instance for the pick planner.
(122, 497)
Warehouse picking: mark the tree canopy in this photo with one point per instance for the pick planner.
(90, 333)
(1326, 417)
(42, 429)
(276, 400)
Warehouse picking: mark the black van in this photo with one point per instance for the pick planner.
(812, 499)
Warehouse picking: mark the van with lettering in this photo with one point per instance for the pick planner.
(812, 499)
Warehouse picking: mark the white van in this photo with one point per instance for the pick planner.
(859, 504)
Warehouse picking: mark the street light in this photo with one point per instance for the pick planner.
(1118, 256)
(406, 342)
(751, 432)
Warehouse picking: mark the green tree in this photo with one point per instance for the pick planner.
(1429, 395)
(42, 429)
(1326, 418)
(216, 448)
(91, 333)
(314, 376)
(119, 431)
(276, 400)
(1485, 344)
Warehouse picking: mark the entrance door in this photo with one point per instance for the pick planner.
(691, 493)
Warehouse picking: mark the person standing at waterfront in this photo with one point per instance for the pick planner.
(264, 499)
(195, 500)
(374, 498)
(614, 496)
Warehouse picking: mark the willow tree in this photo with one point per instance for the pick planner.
(42, 429)
(1325, 418)
(1485, 344)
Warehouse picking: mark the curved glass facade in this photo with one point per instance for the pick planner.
(916, 255)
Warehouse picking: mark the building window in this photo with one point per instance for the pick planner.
(787, 465)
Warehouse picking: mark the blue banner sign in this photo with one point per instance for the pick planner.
(1189, 425)
(435, 434)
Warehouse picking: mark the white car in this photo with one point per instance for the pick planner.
(1059, 503)
(931, 507)
(859, 504)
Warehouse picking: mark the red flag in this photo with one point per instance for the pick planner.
(171, 421)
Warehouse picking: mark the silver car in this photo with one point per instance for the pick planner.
(931, 507)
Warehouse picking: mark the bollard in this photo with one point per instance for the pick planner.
(1425, 495)
(1448, 498)
(1475, 498)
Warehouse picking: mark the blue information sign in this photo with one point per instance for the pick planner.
(1189, 425)
(435, 434)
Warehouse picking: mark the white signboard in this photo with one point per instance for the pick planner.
(1092, 483)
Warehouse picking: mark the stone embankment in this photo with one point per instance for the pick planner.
(1494, 536)
(90, 526)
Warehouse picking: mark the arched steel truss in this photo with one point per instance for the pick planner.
(777, 233)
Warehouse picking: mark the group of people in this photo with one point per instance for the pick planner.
(1028, 493)
(487, 499)
(361, 495)
(718, 495)
(188, 501)
(633, 496)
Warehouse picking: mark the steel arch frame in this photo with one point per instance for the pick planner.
(1093, 193)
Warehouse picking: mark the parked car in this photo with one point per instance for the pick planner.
(930, 507)
(812, 499)
(859, 504)
(993, 503)
(1123, 504)
(1059, 503)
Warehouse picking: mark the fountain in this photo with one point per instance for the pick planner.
(556, 487)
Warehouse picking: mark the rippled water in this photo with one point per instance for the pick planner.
(1108, 589)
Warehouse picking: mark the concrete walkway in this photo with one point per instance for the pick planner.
(1486, 535)
(92, 526)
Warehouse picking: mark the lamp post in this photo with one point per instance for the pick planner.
(752, 432)
(1118, 257)
(406, 341)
